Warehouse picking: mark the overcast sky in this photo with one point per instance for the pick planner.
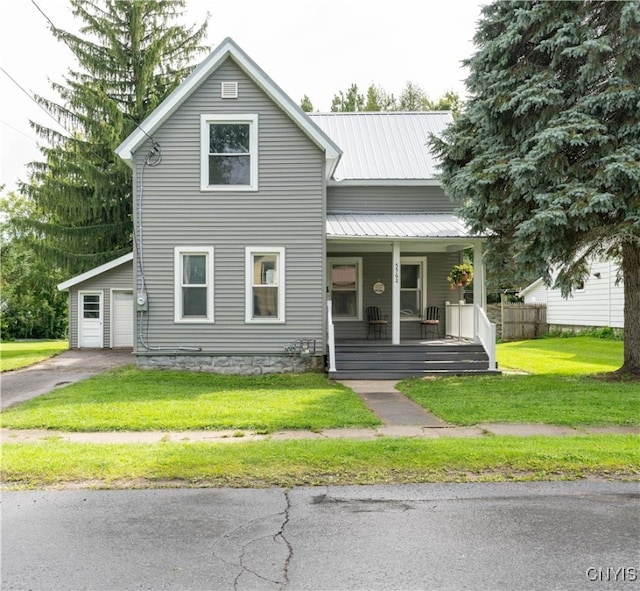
(313, 47)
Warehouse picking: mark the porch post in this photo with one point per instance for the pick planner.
(479, 287)
(395, 296)
(479, 290)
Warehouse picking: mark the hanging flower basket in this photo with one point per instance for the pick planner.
(460, 275)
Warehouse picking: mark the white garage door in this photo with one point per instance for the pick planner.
(122, 318)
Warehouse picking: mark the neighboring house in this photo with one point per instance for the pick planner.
(599, 301)
(263, 233)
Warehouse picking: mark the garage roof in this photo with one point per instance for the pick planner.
(95, 272)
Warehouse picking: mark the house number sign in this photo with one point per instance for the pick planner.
(378, 287)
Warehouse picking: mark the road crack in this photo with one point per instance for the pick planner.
(259, 550)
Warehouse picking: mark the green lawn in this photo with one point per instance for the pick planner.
(561, 356)
(22, 354)
(561, 389)
(291, 463)
(561, 392)
(131, 399)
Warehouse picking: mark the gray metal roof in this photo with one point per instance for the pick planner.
(395, 225)
(379, 146)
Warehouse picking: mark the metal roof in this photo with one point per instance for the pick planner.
(384, 145)
(395, 225)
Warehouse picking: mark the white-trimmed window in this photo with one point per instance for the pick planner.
(413, 287)
(265, 284)
(229, 152)
(345, 287)
(193, 298)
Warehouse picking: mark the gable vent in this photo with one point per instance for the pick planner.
(229, 90)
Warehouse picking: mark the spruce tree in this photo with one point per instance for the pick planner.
(545, 157)
(130, 55)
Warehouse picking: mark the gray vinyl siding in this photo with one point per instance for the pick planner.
(287, 211)
(119, 278)
(378, 266)
(389, 199)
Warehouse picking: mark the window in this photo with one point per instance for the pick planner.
(193, 284)
(345, 288)
(229, 152)
(91, 306)
(265, 285)
(412, 287)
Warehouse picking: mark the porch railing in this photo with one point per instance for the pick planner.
(459, 320)
(470, 322)
(486, 333)
(331, 338)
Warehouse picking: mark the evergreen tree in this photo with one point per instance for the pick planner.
(349, 102)
(378, 99)
(130, 56)
(544, 158)
(306, 105)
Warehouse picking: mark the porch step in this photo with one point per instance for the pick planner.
(386, 362)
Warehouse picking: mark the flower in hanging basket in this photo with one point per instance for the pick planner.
(460, 275)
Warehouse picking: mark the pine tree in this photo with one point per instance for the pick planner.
(544, 158)
(130, 56)
(306, 105)
(349, 102)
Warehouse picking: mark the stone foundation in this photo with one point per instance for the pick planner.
(232, 364)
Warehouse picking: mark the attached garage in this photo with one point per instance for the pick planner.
(101, 311)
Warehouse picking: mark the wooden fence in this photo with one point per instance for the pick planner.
(523, 321)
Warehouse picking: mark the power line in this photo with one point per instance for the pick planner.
(18, 131)
(45, 16)
(33, 99)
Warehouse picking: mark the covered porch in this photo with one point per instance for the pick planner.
(398, 264)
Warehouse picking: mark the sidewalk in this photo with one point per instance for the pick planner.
(401, 417)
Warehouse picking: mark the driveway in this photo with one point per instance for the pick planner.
(67, 368)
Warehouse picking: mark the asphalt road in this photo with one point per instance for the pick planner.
(569, 535)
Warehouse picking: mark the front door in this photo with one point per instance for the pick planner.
(90, 332)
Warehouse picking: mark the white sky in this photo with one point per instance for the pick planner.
(313, 47)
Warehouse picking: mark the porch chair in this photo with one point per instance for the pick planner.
(376, 322)
(430, 322)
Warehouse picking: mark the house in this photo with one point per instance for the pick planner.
(263, 233)
(598, 302)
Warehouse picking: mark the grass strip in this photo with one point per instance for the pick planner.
(135, 400)
(549, 399)
(300, 462)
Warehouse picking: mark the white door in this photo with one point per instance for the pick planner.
(90, 332)
(122, 318)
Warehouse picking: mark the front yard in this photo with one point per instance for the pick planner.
(134, 400)
(560, 391)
